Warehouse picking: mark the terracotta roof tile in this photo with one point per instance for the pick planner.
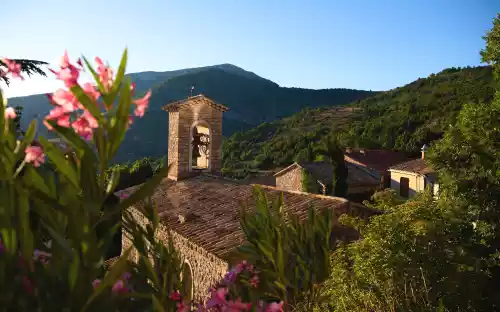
(379, 160)
(416, 165)
(217, 203)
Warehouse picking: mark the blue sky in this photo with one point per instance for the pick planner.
(362, 44)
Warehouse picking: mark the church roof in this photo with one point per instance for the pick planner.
(197, 99)
(206, 209)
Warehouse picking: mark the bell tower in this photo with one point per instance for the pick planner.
(194, 136)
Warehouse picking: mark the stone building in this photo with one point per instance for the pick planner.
(358, 180)
(198, 209)
(414, 176)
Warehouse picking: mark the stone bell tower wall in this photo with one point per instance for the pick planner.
(183, 118)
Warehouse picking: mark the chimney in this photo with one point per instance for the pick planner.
(194, 136)
(424, 149)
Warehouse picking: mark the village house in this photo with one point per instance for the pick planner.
(375, 162)
(414, 176)
(358, 180)
(199, 210)
(368, 172)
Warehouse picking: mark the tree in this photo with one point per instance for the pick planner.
(29, 67)
(491, 53)
(330, 149)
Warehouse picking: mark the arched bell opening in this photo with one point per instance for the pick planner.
(199, 152)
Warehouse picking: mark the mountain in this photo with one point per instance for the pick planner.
(401, 119)
(252, 100)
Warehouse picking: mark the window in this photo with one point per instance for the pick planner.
(386, 180)
(404, 187)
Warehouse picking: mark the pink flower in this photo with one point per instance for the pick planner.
(10, 113)
(126, 276)
(254, 281)
(142, 104)
(175, 296)
(182, 307)
(69, 73)
(105, 74)
(237, 305)
(132, 87)
(66, 100)
(35, 155)
(96, 283)
(275, 307)
(28, 287)
(119, 287)
(217, 299)
(13, 68)
(84, 126)
(91, 91)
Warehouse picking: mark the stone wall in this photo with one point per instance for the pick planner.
(290, 180)
(207, 269)
(173, 143)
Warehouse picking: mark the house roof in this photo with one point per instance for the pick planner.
(323, 171)
(197, 99)
(416, 166)
(210, 209)
(380, 160)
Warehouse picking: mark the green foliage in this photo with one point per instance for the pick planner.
(309, 184)
(400, 119)
(491, 53)
(331, 151)
(410, 259)
(62, 212)
(291, 255)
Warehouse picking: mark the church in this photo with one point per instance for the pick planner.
(199, 210)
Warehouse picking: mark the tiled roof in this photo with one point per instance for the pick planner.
(323, 171)
(416, 165)
(197, 99)
(210, 209)
(379, 160)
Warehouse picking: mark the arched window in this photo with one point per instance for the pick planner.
(187, 281)
(200, 148)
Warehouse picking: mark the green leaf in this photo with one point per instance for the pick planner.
(23, 210)
(113, 181)
(59, 240)
(33, 179)
(59, 160)
(152, 273)
(88, 103)
(118, 130)
(118, 79)
(28, 138)
(74, 270)
(88, 181)
(157, 304)
(71, 138)
(145, 190)
(96, 77)
(113, 274)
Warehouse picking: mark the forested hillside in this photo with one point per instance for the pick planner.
(251, 99)
(401, 119)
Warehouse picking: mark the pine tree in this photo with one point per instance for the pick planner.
(29, 67)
